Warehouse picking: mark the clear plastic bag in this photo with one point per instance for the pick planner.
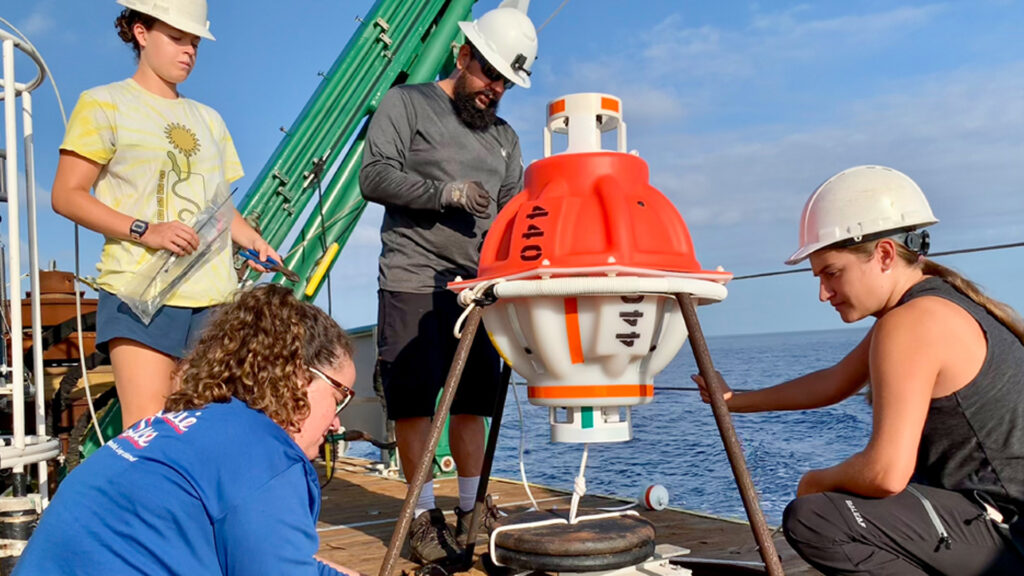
(165, 272)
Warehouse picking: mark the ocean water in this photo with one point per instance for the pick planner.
(676, 442)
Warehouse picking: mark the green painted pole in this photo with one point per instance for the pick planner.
(344, 186)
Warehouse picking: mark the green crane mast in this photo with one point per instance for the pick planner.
(399, 41)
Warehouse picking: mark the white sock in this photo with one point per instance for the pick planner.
(426, 501)
(467, 492)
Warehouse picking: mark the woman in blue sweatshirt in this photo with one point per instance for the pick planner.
(219, 482)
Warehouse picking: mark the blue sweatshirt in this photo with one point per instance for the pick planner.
(221, 490)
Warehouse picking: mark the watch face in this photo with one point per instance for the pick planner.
(138, 228)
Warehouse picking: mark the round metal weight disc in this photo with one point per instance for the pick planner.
(605, 536)
(589, 563)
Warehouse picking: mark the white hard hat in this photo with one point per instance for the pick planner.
(860, 202)
(507, 39)
(185, 15)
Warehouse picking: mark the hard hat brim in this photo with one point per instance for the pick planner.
(184, 26)
(805, 251)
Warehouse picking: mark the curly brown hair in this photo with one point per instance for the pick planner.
(259, 349)
(127, 20)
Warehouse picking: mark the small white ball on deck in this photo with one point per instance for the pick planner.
(655, 497)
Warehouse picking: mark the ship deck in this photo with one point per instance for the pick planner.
(361, 507)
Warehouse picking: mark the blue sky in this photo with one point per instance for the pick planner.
(740, 109)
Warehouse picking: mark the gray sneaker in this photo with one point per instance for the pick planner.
(491, 514)
(431, 541)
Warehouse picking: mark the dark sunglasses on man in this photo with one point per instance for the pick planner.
(489, 72)
(346, 392)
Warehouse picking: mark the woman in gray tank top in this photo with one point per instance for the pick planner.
(939, 484)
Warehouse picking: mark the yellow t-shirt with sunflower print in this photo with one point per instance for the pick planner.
(162, 161)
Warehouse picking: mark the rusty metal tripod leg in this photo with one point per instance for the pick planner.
(426, 464)
(732, 443)
(485, 470)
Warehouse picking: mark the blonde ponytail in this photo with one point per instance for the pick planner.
(1006, 315)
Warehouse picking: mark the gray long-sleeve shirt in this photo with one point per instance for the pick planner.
(416, 144)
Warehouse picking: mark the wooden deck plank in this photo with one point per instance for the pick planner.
(360, 510)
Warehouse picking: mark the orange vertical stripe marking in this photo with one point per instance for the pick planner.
(610, 104)
(572, 330)
(556, 107)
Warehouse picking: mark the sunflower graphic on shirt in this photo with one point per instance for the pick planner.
(186, 144)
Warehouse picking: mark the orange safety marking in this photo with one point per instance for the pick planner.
(572, 330)
(556, 107)
(610, 104)
(599, 391)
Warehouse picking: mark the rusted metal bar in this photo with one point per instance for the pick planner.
(485, 469)
(732, 442)
(426, 464)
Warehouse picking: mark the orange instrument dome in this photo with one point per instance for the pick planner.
(585, 264)
(588, 212)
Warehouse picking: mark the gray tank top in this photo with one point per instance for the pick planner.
(974, 438)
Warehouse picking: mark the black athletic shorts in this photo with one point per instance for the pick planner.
(415, 347)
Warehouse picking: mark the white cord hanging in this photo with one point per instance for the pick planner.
(522, 449)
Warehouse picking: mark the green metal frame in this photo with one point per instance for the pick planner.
(398, 42)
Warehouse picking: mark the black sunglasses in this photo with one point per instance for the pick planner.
(490, 72)
(347, 392)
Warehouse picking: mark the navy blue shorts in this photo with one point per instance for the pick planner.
(415, 347)
(172, 331)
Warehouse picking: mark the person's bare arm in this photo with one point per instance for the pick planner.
(72, 199)
(821, 388)
(907, 354)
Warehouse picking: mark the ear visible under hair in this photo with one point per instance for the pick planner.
(887, 252)
(139, 32)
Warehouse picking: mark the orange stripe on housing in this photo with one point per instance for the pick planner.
(610, 104)
(572, 330)
(556, 107)
(601, 391)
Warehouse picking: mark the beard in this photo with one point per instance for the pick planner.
(466, 109)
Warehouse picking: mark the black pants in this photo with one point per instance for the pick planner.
(852, 535)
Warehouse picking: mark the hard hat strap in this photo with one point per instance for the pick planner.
(917, 241)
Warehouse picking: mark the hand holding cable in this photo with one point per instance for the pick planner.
(469, 195)
(175, 236)
(705, 393)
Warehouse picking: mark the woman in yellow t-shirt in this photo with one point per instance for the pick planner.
(154, 159)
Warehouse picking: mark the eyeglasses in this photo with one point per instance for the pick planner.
(347, 392)
(490, 72)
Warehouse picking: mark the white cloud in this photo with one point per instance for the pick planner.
(38, 22)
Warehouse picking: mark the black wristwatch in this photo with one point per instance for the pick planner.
(138, 229)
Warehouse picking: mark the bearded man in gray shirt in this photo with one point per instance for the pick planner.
(443, 164)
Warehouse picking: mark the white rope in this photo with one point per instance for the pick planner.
(509, 527)
(469, 298)
(522, 450)
(579, 487)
